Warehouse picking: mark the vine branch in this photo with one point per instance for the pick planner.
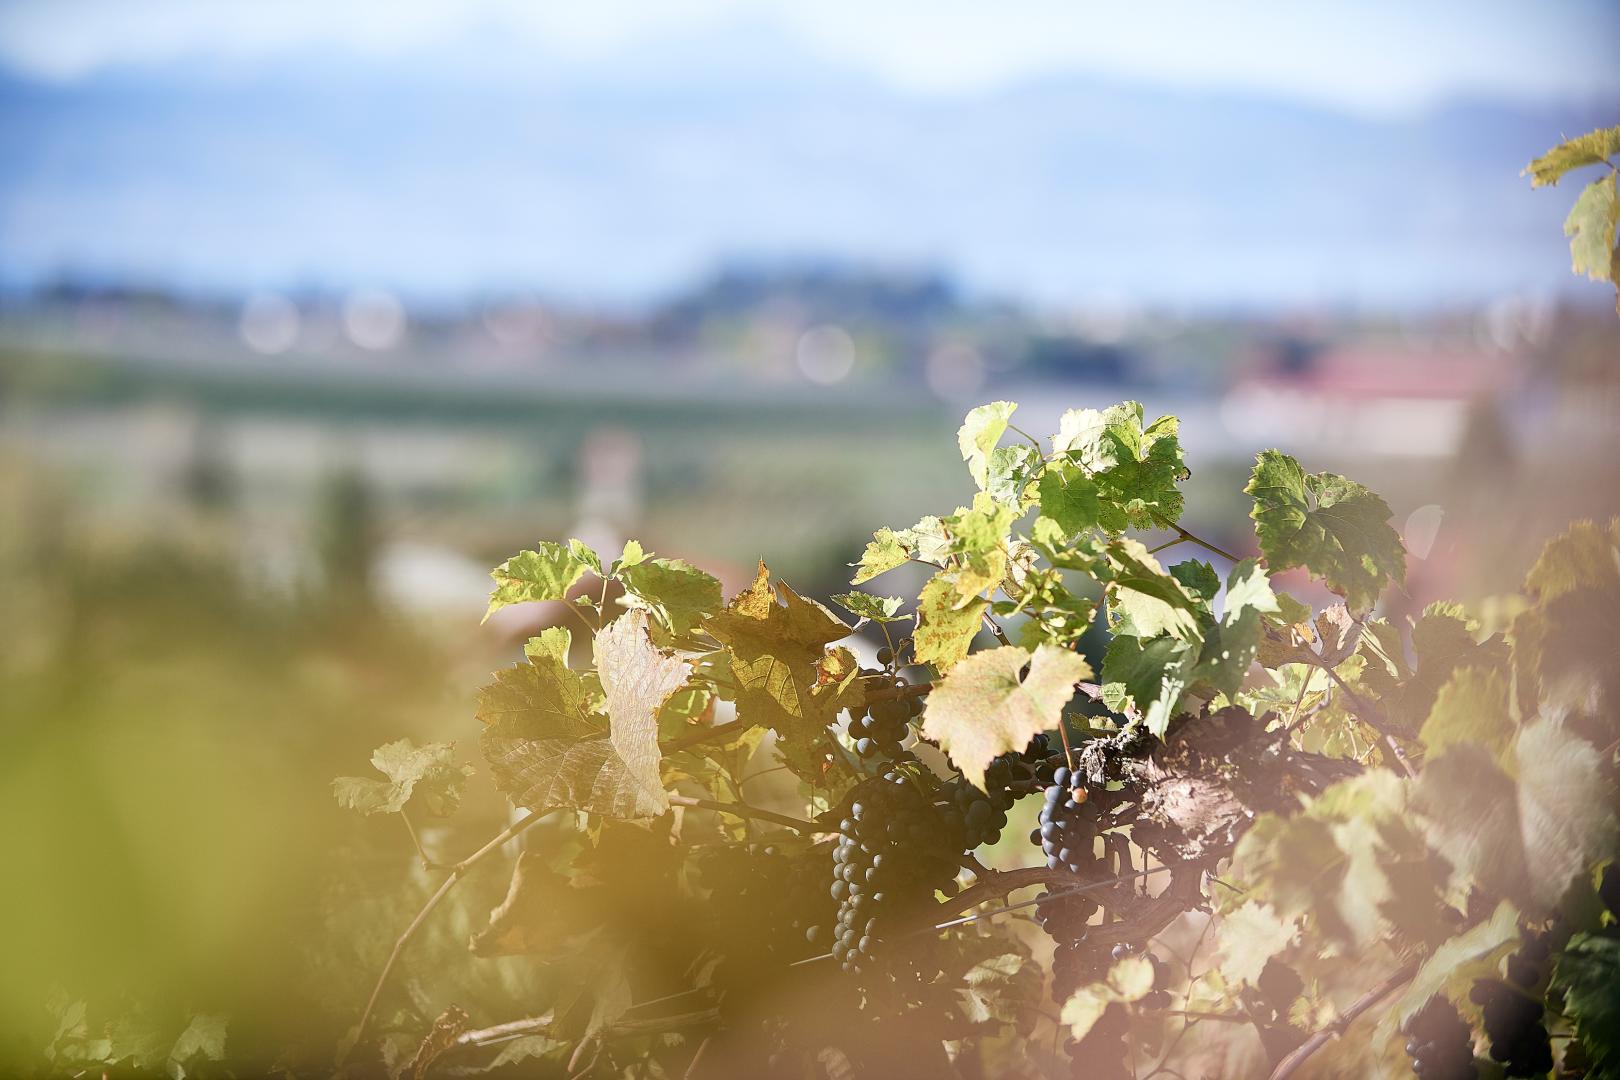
(743, 810)
(1287, 1066)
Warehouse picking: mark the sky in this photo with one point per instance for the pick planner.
(1369, 56)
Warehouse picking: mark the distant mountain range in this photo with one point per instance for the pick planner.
(481, 168)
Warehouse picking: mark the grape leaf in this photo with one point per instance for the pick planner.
(545, 574)
(554, 642)
(1009, 471)
(549, 745)
(1452, 967)
(978, 435)
(1136, 468)
(776, 652)
(1585, 556)
(203, 1039)
(1069, 498)
(637, 677)
(1588, 973)
(1144, 600)
(862, 605)
(1335, 528)
(1442, 642)
(1590, 227)
(1471, 707)
(1526, 840)
(978, 542)
(1250, 936)
(982, 708)
(946, 623)
(885, 552)
(681, 594)
(1593, 148)
(1150, 673)
(428, 772)
(1131, 979)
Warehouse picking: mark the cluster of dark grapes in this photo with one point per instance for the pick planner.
(1068, 828)
(893, 852)
(1515, 1020)
(972, 817)
(1440, 1043)
(880, 730)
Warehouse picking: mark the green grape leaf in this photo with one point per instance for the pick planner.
(1249, 937)
(978, 435)
(777, 653)
(637, 678)
(1335, 528)
(1136, 468)
(1588, 973)
(986, 706)
(554, 642)
(885, 552)
(1590, 227)
(946, 622)
(1151, 674)
(428, 772)
(999, 989)
(680, 594)
(1442, 642)
(633, 553)
(544, 574)
(1143, 599)
(978, 542)
(1198, 578)
(1593, 148)
(1451, 969)
(883, 609)
(1069, 499)
(1009, 471)
(1232, 645)
(1586, 556)
(1472, 707)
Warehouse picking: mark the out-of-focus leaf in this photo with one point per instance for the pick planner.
(427, 772)
(1593, 148)
(1249, 937)
(1590, 228)
(1472, 707)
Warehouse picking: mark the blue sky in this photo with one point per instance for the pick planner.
(1374, 55)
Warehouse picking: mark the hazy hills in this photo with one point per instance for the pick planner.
(485, 168)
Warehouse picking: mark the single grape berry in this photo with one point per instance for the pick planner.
(885, 656)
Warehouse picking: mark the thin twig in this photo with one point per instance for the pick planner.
(1300, 1054)
(457, 872)
(427, 863)
(1368, 714)
(743, 810)
(1191, 539)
